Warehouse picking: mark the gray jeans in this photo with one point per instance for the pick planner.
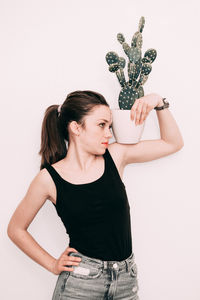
(95, 279)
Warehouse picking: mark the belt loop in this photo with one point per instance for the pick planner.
(105, 264)
(127, 266)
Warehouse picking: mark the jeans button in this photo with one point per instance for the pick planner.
(115, 266)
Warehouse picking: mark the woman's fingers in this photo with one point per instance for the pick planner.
(134, 110)
(139, 111)
(143, 114)
(69, 249)
(72, 263)
(66, 262)
(69, 261)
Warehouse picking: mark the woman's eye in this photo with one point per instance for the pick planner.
(104, 124)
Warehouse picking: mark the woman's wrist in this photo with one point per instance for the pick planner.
(160, 102)
(52, 266)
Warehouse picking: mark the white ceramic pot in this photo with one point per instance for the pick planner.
(124, 129)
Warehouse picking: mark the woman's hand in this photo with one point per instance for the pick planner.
(143, 106)
(59, 264)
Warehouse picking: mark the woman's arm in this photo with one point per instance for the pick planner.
(34, 199)
(170, 137)
(169, 131)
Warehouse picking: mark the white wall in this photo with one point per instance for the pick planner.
(50, 48)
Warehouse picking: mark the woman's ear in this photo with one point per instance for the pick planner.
(75, 128)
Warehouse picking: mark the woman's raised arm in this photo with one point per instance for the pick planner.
(170, 140)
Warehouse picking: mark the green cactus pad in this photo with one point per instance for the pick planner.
(138, 66)
(122, 62)
(151, 55)
(120, 38)
(128, 67)
(134, 39)
(126, 48)
(112, 58)
(139, 41)
(140, 92)
(127, 97)
(131, 73)
(146, 60)
(134, 55)
(113, 67)
(120, 77)
(146, 68)
(143, 78)
(141, 24)
(131, 68)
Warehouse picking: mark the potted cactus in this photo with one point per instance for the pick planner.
(124, 129)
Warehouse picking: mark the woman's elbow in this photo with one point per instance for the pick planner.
(10, 231)
(179, 146)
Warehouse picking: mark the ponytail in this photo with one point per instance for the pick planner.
(53, 145)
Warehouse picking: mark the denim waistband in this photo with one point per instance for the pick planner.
(106, 264)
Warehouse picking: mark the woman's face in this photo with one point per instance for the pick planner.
(97, 130)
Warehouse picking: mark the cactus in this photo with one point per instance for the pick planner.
(138, 68)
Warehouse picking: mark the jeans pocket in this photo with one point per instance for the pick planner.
(64, 281)
(60, 285)
(86, 271)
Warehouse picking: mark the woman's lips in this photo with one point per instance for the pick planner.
(105, 144)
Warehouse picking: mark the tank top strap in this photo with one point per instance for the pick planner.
(54, 175)
(111, 165)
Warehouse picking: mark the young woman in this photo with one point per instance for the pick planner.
(84, 183)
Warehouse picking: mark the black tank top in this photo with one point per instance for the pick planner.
(96, 215)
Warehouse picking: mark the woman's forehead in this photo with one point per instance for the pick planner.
(102, 112)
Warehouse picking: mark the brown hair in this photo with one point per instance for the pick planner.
(54, 133)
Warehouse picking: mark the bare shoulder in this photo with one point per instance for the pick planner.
(117, 153)
(41, 183)
(48, 184)
(44, 178)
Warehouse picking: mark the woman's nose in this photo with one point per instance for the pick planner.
(109, 134)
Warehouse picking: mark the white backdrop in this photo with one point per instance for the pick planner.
(50, 48)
